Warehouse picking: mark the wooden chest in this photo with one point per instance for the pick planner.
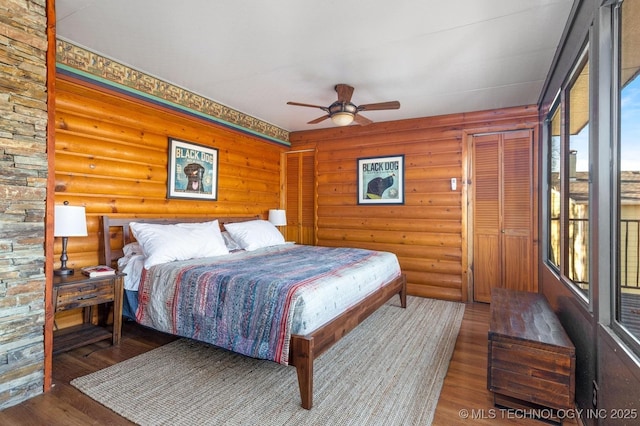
(530, 358)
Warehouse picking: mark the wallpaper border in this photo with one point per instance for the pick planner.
(82, 63)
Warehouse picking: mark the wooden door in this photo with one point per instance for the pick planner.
(502, 185)
(300, 196)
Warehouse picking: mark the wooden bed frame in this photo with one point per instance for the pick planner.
(303, 350)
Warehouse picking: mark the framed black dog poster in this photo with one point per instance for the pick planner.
(192, 171)
(381, 180)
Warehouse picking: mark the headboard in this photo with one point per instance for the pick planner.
(122, 235)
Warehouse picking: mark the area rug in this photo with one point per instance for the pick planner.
(389, 370)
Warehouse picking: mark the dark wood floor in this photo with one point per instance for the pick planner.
(464, 389)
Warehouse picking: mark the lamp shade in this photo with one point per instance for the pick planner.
(69, 221)
(278, 217)
(342, 118)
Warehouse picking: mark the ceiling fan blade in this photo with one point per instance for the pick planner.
(308, 105)
(379, 106)
(344, 92)
(319, 119)
(361, 120)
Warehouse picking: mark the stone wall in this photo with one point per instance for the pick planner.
(23, 179)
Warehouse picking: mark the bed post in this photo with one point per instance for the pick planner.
(104, 241)
(302, 356)
(403, 291)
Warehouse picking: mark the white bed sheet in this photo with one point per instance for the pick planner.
(132, 265)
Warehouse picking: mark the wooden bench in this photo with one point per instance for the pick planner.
(531, 360)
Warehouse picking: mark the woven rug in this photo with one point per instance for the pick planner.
(387, 371)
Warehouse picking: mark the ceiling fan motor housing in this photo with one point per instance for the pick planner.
(338, 106)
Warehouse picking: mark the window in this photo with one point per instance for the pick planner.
(569, 182)
(628, 171)
(577, 195)
(554, 188)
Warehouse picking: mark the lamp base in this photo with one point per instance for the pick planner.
(63, 272)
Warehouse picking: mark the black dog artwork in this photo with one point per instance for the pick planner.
(195, 174)
(377, 186)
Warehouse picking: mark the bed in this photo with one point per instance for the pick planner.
(307, 308)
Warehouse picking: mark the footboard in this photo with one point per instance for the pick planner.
(305, 349)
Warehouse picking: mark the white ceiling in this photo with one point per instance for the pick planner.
(435, 57)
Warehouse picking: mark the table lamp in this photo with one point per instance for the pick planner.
(278, 217)
(68, 221)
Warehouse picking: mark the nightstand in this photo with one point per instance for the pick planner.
(79, 291)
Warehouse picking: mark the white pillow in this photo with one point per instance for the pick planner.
(181, 241)
(254, 234)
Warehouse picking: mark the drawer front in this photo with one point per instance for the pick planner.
(84, 294)
(540, 376)
(543, 364)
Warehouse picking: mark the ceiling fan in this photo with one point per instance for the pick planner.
(343, 112)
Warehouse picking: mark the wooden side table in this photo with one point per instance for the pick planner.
(79, 291)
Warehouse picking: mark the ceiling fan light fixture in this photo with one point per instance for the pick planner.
(342, 118)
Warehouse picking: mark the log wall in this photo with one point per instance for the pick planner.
(429, 232)
(111, 157)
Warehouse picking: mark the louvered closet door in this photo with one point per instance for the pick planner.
(517, 211)
(300, 194)
(486, 219)
(502, 212)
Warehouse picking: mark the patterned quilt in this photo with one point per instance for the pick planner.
(243, 303)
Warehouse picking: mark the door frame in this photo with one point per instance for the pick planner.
(467, 200)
